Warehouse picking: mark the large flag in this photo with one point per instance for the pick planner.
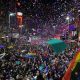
(73, 67)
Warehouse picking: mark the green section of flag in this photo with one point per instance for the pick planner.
(58, 45)
(75, 71)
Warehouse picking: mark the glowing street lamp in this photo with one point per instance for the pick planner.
(68, 19)
(54, 28)
(10, 15)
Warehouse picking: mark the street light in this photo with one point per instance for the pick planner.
(11, 14)
(54, 28)
(68, 19)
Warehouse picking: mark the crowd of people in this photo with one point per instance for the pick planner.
(45, 65)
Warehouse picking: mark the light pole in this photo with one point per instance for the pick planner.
(68, 19)
(11, 14)
(54, 28)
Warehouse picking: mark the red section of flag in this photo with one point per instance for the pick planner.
(67, 75)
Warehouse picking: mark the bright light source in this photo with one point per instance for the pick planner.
(11, 14)
(53, 26)
(19, 13)
(67, 18)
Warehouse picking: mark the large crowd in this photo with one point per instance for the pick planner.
(46, 65)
